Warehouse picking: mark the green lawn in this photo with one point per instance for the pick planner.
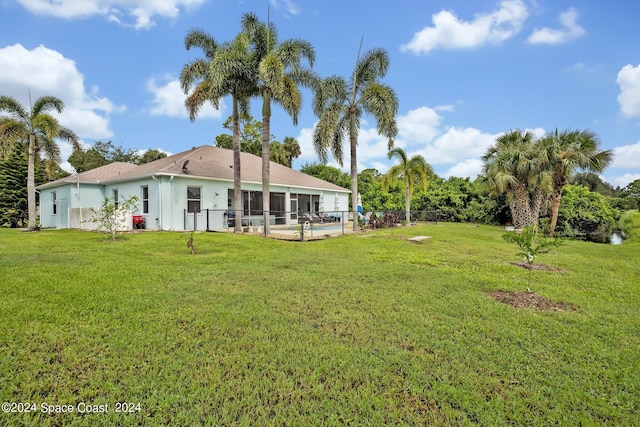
(362, 330)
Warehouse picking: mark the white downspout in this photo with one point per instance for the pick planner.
(170, 196)
(79, 202)
(159, 200)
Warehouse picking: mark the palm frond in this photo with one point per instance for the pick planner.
(192, 72)
(199, 38)
(292, 51)
(13, 108)
(46, 104)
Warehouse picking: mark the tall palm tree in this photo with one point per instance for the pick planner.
(39, 128)
(565, 152)
(340, 105)
(411, 171)
(513, 166)
(225, 70)
(278, 75)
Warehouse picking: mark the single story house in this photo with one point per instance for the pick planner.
(187, 191)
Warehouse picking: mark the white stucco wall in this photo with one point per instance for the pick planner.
(167, 201)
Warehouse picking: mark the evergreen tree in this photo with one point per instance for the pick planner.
(13, 188)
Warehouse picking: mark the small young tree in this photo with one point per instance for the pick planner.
(530, 245)
(110, 216)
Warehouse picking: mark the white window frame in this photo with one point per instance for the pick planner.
(194, 199)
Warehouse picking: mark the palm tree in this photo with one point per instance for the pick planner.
(225, 70)
(278, 153)
(411, 171)
(340, 105)
(40, 129)
(292, 149)
(565, 152)
(278, 74)
(512, 166)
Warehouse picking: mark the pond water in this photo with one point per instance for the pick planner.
(616, 239)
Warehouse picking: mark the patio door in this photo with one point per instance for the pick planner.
(293, 207)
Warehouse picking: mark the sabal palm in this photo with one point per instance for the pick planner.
(40, 129)
(339, 107)
(278, 74)
(513, 166)
(225, 70)
(565, 152)
(411, 171)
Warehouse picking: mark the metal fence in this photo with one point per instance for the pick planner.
(301, 223)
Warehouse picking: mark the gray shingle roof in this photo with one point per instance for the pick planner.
(205, 161)
(94, 176)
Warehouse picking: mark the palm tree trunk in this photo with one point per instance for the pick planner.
(520, 207)
(536, 203)
(407, 203)
(354, 173)
(266, 132)
(556, 197)
(237, 177)
(31, 185)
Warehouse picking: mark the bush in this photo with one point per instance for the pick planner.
(585, 214)
(110, 216)
(629, 224)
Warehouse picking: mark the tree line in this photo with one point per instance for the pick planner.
(590, 208)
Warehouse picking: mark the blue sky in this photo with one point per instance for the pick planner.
(464, 71)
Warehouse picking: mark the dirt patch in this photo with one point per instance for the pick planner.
(536, 267)
(530, 300)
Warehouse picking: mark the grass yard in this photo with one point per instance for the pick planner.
(364, 329)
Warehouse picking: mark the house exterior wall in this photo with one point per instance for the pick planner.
(68, 196)
(213, 196)
(167, 201)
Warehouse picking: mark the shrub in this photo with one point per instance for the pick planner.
(629, 224)
(531, 245)
(110, 217)
(585, 214)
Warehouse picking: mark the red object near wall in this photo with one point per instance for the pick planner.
(138, 221)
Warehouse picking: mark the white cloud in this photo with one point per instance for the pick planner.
(457, 145)
(142, 11)
(419, 125)
(629, 98)
(305, 140)
(420, 132)
(467, 168)
(581, 67)
(46, 72)
(372, 149)
(448, 108)
(570, 31)
(452, 151)
(370, 146)
(622, 180)
(168, 100)
(288, 5)
(450, 32)
(626, 156)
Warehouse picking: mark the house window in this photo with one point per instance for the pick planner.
(145, 199)
(252, 202)
(115, 197)
(54, 203)
(193, 199)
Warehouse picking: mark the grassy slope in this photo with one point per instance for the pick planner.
(353, 329)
